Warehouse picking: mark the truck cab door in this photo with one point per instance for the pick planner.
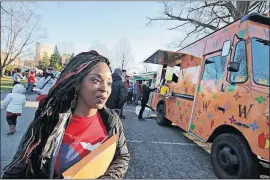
(210, 99)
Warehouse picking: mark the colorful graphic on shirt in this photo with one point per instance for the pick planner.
(82, 136)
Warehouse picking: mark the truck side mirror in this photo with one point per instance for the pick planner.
(233, 67)
(226, 48)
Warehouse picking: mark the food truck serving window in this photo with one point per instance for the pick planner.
(260, 60)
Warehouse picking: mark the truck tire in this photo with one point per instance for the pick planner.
(232, 158)
(161, 119)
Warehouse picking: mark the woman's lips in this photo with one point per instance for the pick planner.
(101, 99)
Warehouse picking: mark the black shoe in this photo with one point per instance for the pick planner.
(123, 117)
(141, 119)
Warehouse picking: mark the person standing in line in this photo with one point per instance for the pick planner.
(126, 82)
(138, 92)
(118, 96)
(14, 103)
(130, 93)
(134, 91)
(30, 81)
(145, 97)
(14, 77)
(17, 76)
(123, 75)
(45, 84)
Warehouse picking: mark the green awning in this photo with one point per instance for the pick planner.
(137, 78)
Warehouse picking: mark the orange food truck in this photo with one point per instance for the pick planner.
(220, 94)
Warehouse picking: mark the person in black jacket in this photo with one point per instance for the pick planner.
(118, 96)
(145, 97)
(70, 123)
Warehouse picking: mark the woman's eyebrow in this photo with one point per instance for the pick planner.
(96, 75)
(99, 76)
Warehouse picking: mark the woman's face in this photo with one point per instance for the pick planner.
(95, 88)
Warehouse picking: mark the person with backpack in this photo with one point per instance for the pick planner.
(14, 103)
(45, 84)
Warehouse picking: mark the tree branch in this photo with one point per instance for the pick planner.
(4, 10)
(187, 36)
(205, 16)
(206, 5)
(192, 21)
(235, 14)
(179, 26)
(20, 29)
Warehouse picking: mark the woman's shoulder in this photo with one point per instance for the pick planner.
(109, 116)
(109, 113)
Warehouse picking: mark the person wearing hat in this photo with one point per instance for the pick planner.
(45, 83)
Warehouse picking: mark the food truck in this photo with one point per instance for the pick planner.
(221, 94)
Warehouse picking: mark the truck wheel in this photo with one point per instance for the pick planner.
(161, 119)
(232, 158)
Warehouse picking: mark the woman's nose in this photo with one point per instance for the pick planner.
(104, 87)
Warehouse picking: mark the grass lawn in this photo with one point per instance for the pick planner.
(7, 83)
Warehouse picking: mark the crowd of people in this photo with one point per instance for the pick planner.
(84, 105)
(16, 99)
(125, 92)
(71, 114)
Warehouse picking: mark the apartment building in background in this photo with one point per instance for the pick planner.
(43, 50)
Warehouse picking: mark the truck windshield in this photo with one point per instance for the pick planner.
(260, 61)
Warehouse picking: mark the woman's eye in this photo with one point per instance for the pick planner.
(109, 84)
(95, 80)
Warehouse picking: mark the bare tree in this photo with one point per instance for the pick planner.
(199, 18)
(122, 54)
(19, 28)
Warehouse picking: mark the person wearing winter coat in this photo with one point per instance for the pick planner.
(45, 84)
(145, 97)
(14, 103)
(118, 96)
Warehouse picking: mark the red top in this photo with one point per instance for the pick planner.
(138, 88)
(8, 114)
(82, 135)
(126, 85)
(31, 77)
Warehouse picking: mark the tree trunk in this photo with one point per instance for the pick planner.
(3, 69)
